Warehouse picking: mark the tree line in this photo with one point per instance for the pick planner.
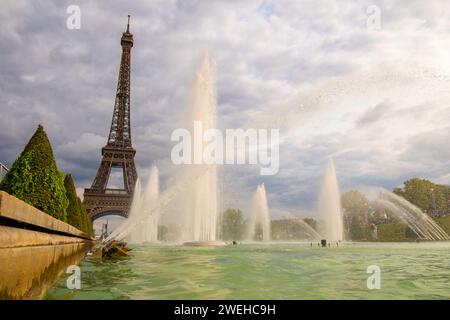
(358, 214)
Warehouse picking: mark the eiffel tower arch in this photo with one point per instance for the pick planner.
(100, 200)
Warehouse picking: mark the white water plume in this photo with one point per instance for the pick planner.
(259, 222)
(313, 234)
(195, 210)
(418, 221)
(142, 223)
(147, 229)
(331, 225)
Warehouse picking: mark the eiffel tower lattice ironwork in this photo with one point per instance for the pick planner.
(100, 200)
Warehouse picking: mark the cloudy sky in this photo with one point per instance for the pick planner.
(374, 95)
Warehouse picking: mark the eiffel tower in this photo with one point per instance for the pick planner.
(118, 152)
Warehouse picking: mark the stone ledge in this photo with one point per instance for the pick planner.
(11, 237)
(20, 211)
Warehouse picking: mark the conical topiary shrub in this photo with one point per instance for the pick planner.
(35, 178)
(90, 228)
(86, 224)
(73, 210)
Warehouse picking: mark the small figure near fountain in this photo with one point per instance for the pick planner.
(324, 243)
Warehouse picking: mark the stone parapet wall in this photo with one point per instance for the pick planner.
(21, 212)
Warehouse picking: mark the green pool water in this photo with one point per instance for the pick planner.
(266, 271)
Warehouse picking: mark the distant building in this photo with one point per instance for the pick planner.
(3, 171)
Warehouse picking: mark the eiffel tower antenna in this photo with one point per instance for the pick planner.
(118, 151)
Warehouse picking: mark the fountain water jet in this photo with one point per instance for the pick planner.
(259, 222)
(142, 223)
(313, 234)
(199, 204)
(191, 203)
(123, 230)
(418, 221)
(147, 229)
(331, 226)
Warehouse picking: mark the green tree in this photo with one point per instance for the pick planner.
(446, 191)
(357, 211)
(233, 225)
(359, 230)
(74, 213)
(35, 178)
(426, 195)
(356, 203)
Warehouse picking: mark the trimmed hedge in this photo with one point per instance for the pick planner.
(444, 223)
(399, 231)
(395, 231)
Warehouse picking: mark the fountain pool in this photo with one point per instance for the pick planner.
(266, 271)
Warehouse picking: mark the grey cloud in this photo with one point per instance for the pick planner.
(374, 114)
(265, 52)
